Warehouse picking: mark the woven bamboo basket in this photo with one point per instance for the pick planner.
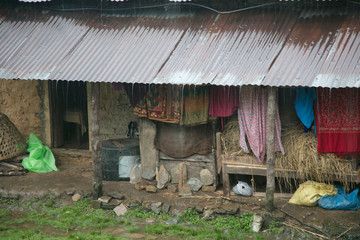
(12, 142)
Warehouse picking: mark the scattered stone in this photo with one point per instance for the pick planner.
(104, 199)
(76, 197)
(206, 177)
(155, 207)
(139, 186)
(195, 184)
(163, 177)
(199, 209)
(257, 223)
(95, 204)
(112, 204)
(172, 221)
(227, 210)
(150, 220)
(70, 192)
(208, 213)
(133, 203)
(87, 194)
(175, 175)
(208, 188)
(172, 188)
(146, 204)
(120, 210)
(185, 191)
(165, 208)
(150, 188)
(176, 212)
(116, 195)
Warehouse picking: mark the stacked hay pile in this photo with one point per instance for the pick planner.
(300, 156)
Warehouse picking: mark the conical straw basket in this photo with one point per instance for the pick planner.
(12, 142)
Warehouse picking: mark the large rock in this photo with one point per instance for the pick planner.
(149, 154)
(206, 177)
(195, 184)
(163, 178)
(257, 223)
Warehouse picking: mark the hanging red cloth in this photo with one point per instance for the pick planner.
(224, 101)
(337, 115)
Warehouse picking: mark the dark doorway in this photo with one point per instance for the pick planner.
(69, 116)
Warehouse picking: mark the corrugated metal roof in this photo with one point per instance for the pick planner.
(320, 52)
(265, 47)
(233, 49)
(33, 47)
(123, 50)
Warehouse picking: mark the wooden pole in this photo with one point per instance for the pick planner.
(270, 149)
(95, 141)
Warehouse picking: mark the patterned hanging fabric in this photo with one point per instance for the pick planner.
(252, 117)
(337, 116)
(185, 105)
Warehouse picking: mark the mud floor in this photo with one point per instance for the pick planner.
(75, 176)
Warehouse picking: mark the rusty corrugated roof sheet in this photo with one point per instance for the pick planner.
(321, 52)
(233, 49)
(265, 47)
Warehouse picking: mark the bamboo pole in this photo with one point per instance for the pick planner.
(95, 141)
(270, 150)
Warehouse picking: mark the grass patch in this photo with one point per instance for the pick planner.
(142, 214)
(49, 220)
(132, 229)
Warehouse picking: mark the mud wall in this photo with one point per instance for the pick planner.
(115, 112)
(23, 102)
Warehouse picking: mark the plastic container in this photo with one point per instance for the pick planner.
(118, 158)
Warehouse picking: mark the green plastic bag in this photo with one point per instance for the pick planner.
(41, 159)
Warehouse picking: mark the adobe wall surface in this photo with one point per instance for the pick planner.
(115, 112)
(23, 102)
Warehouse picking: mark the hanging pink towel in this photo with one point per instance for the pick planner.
(252, 116)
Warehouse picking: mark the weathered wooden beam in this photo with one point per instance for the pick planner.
(270, 150)
(95, 141)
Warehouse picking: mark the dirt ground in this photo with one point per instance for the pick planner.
(75, 176)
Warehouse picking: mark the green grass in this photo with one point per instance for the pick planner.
(142, 214)
(80, 221)
(132, 229)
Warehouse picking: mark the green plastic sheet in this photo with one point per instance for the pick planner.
(41, 159)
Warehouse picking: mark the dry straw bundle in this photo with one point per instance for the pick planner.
(300, 156)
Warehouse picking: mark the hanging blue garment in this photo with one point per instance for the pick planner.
(304, 105)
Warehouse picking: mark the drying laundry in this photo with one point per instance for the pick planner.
(304, 105)
(252, 117)
(337, 115)
(162, 103)
(186, 105)
(224, 101)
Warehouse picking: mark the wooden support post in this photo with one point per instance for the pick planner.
(95, 141)
(270, 150)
